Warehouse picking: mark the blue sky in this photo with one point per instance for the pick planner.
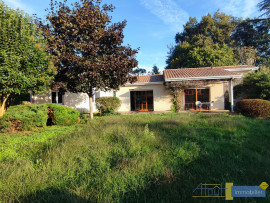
(152, 24)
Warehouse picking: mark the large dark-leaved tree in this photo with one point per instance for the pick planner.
(87, 47)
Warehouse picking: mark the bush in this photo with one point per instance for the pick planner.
(107, 105)
(28, 117)
(24, 117)
(256, 108)
(84, 118)
(63, 115)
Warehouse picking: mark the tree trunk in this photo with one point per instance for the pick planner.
(91, 107)
(3, 104)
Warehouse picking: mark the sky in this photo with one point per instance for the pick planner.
(153, 24)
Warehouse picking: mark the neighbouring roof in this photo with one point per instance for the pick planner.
(204, 73)
(152, 79)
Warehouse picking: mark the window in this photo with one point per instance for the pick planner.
(57, 97)
(193, 95)
(142, 100)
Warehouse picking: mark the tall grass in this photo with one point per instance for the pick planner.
(141, 158)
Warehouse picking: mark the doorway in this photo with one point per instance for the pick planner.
(193, 95)
(142, 101)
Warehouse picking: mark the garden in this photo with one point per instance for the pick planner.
(132, 158)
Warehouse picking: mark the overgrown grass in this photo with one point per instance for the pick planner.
(138, 158)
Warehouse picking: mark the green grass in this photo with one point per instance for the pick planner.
(136, 158)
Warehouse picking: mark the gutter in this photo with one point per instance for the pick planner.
(203, 78)
(144, 83)
(242, 69)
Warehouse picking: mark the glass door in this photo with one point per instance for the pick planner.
(193, 95)
(142, 101)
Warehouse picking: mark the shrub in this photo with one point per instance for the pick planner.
(256, 108)
(28, 117)
(63, 115)
(24, 117)
(107, 105)
(84, 118)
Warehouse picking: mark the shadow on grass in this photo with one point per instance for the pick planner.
(229, 152)
(53, 195)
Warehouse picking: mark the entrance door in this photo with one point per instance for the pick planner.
(193, 95)
(142, 100)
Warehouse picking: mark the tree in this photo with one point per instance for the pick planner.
(138, 71)
(199, 40)
(24, 64)
(252, 36)
(256, 85)
(155, 70)
(264, 6)
(218, 55)
(87, 47)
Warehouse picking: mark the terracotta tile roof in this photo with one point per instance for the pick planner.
(203, 72)
(149, 78)
(187, 73)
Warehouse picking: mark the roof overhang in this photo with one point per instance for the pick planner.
(203, 78)
(242, 69)
(143, 83)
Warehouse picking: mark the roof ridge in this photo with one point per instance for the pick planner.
(212, 67)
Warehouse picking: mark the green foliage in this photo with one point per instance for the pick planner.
(176, 100)
(218, 55)
(210, 30)
(84, 118)
(251, 38)
(25, 117)
(256, 108)
(221, 37)
(24, 63)
(28, 117)
(264, 6)
(107, 105)
(32, 145)
(203, 43)
(256, 85)
(138, 71)
(134, 158)
(155, 70)
(63, 115)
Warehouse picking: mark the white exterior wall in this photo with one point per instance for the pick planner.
(161, 96)
(79, 101)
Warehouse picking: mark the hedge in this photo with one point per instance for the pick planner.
(107, 105)
(28, 117)
(256, 108)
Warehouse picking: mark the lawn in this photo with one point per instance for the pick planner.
(135, 158)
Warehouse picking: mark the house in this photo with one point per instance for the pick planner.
(202, 88)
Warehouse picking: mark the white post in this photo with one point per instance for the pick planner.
(31, 97)
(232, 104)
(56, 97)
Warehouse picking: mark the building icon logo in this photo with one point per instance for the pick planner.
(229, 191)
